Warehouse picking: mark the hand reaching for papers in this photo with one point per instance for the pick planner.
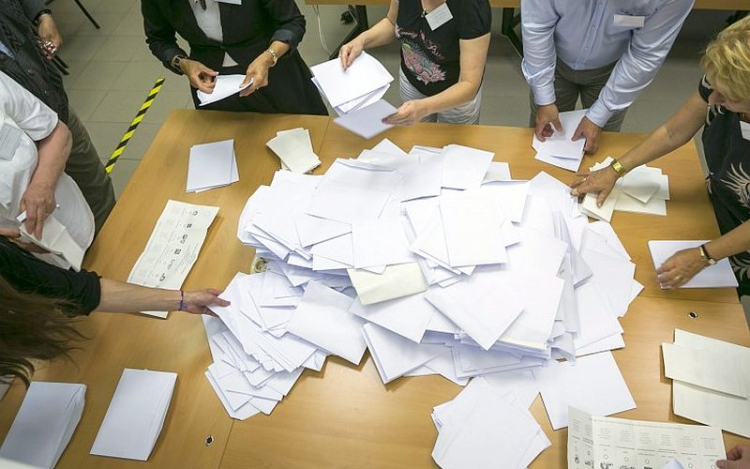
(591, 132)
(200, 76)
(600, 182)
(38, 202)
(737, 458)
(679, 269)
(409, 113)
(547, 117)
(350, 51)
(199, 302)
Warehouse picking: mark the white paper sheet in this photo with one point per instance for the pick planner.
(715, 276)
(396, 281)
(364, 75)
(224, 87)
(367, 122)
(465, 167)
(211, 165)
(703, 368)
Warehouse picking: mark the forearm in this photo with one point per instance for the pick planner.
(53, 155)
(458, 94)
(118, 297)
(730, 244)
(384, 32)
(279, 48)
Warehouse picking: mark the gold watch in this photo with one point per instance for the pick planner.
(618, 167)
(274, 57)
(707, 259)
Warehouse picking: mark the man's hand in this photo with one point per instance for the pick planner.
(200, 76)
(547, 121)
(737, 458)
(38, 202)
(591, 132)
(51, 40)
(200, 302)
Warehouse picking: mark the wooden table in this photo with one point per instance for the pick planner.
(342, 417)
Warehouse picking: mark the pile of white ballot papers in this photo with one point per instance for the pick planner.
(44, 424)
(642, 190)
(173, 247)
(135, 415)
(433, 267)
(560, 149)
(294, 149)
(212, 165)
(710, 381)
(719, 275)
(601, 442)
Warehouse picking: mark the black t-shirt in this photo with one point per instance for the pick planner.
(27, 274)
(728, 181)
(431, 59)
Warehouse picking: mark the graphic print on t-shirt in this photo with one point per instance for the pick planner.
(417, 60)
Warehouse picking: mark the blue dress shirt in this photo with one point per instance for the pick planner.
(590, 34)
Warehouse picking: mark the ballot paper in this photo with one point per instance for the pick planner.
(719, 275)
(709, 406)
(295, 150)
(561, 146)
(593, 383)
(57, 240)
(396, 281)
(367, 122)
(135, 415)
(704, 368)
(224, 87)
(340, 86)
(212, 165)
(596, 442)
(48, 416)
(465, 167)
(173, 247)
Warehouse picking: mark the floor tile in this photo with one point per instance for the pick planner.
(108, 22)
(141, 75)
(119, 106)
(117, 49)
(105, 136)
(99, 75)
(82, 48)
(85, 102)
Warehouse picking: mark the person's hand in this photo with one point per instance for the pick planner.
(737, 458)
(257, 71)
(350, 51)
(200, 76)
(199, 302)
(51, 40)
(409, 113)
(38, 202)
(598, 182)
(547, 121)
(13, 234)
(680, 268)
(591, 132)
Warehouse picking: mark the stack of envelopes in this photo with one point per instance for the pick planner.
(294, 149)
(560, 149)
(417, 258)
(212, 165)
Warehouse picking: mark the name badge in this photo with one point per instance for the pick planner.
(10, 138)
(439, 16)
(745, 130)
(231, 2)
(630, 21)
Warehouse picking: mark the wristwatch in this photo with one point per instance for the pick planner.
(46, 11)
(274, 57)
(175, 63)
(617, 166)
(707, 259)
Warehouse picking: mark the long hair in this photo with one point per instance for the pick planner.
(32, 327)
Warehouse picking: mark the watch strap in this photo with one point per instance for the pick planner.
(618, 167)
(707, 259)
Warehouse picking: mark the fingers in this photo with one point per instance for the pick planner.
(540, 131)
(345, 55)
(41, 215)
(603, 194)
(724, 464)
(10, 233)
(558, 125)
(580, 179)
(668, 265)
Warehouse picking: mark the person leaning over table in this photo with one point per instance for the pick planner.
(721, 106)
(24, 59)
(255, 38)
(37, 301)
(441, 69)
(605, 51)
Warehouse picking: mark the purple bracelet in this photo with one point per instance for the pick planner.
(182, 301)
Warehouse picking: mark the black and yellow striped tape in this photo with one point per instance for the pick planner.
(134, 125)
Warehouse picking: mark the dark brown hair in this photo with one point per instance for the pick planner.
(32, 327)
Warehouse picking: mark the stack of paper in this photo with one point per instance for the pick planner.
(135, 415)
(719, 275)
(609, 442)
(212, 165)
(173, 247)
(560, 149)
(224, 87)
(642, 190)
(45, 423)
(484, 425)
(295, 150)
(710, 381)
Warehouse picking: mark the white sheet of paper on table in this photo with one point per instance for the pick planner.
(210, 165)
(715, 276)
(703, 368)
(564, 163)
(471, 223)
(561, 144)
(294, 149)
(367, 122)
(394, 355)
(396, 281)
(407, 316)
(224, 87)
(465, 167)
(135, 415)
(604, 213)
(42, 429)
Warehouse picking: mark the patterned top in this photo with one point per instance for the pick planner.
(431, 59)
(728, 181)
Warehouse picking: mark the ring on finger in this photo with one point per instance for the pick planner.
(677, 278)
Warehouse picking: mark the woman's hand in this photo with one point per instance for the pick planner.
(409, 113)
(680, 268)
(200, 76)
(599, 182)
(350, 51)
(38, 202)
(199, 302)
(13, 234)
(257, 74)
(737, 458)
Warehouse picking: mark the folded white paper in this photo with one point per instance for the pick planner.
(224, 87)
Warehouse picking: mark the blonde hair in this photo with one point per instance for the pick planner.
(727, 61)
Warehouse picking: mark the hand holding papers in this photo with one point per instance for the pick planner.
(212, 165)
(225, 86)
(363, 77)
(560, 149)
(45, 423)
(136, 415)
(715, 276)
(367, 122)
